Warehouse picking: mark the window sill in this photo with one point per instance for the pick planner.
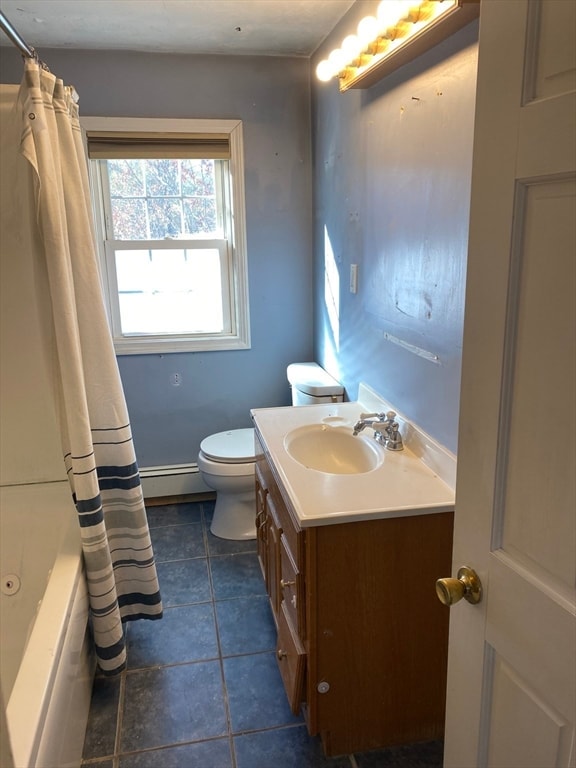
(160, 346)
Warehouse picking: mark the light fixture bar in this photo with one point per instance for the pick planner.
(420, 25)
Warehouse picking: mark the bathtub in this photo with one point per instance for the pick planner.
(47, 665)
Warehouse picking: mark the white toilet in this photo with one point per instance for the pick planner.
(312, 385)
(227, 459)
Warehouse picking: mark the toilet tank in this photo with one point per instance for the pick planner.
(311, 385)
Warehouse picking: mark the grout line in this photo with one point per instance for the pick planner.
(120, 713)
(171, 664)
(164, 747)
(232, 748)
(220, 655)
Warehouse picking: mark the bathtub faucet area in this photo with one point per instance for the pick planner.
(386, 429)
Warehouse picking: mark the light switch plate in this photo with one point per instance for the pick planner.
(353, 278)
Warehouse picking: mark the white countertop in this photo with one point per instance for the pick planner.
(415, 481)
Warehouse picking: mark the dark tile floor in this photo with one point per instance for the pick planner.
(202, 689)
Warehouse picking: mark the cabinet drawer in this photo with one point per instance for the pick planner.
(291, 660)
(291, 588)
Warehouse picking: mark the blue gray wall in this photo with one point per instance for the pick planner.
(392, 168)
(272, 97)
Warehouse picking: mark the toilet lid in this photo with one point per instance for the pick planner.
(236, 446)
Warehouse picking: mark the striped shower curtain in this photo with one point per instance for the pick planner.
(96, 437)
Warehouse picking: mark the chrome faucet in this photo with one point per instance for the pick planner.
(386, 430)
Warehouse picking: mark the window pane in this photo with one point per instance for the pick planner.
(175, 291)
(126, 178)
(200, 215)
(198, 177)
(129, 220)
(133, 271)
(165, 218)
(162, 177)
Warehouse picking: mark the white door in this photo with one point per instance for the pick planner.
(512, 657)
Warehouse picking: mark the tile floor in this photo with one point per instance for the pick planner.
(202, 688)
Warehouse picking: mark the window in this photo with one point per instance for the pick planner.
(169, 203)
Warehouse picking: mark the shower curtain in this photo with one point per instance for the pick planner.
(96, 437)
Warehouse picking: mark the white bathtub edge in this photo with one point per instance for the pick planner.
(31, 696)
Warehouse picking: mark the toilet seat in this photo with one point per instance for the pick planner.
(236, 446)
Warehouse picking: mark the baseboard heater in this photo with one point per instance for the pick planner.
(173, 480)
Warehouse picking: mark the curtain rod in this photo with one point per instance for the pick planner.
(10, 32)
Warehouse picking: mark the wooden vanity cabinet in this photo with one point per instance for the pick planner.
(362, 638)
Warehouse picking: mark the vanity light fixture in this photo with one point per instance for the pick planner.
(400, 31)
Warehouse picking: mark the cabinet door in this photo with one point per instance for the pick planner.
(261, 525)
(291, 660)
(291, 587)
(273, 557)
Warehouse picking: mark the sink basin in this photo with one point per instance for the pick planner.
(334, 450)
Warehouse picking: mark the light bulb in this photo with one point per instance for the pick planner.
(337, 60)
(391, 11)
(351, 48)
(367, 30)
(324, 71)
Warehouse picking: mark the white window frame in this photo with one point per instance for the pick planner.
(237, 317)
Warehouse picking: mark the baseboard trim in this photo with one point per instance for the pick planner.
(162, 501)
(172, 480)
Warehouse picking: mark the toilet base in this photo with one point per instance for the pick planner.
(234, 516)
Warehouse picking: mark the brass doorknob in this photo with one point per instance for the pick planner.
(467, 586)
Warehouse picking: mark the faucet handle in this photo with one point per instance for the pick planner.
(394, 442)
(390, 416)
(372, 415)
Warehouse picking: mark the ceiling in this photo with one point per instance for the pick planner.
(259, 27)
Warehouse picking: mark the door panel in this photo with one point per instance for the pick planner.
(550, 50)
(538, 424)
(537, 736)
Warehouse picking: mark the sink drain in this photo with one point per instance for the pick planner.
(10, 584)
